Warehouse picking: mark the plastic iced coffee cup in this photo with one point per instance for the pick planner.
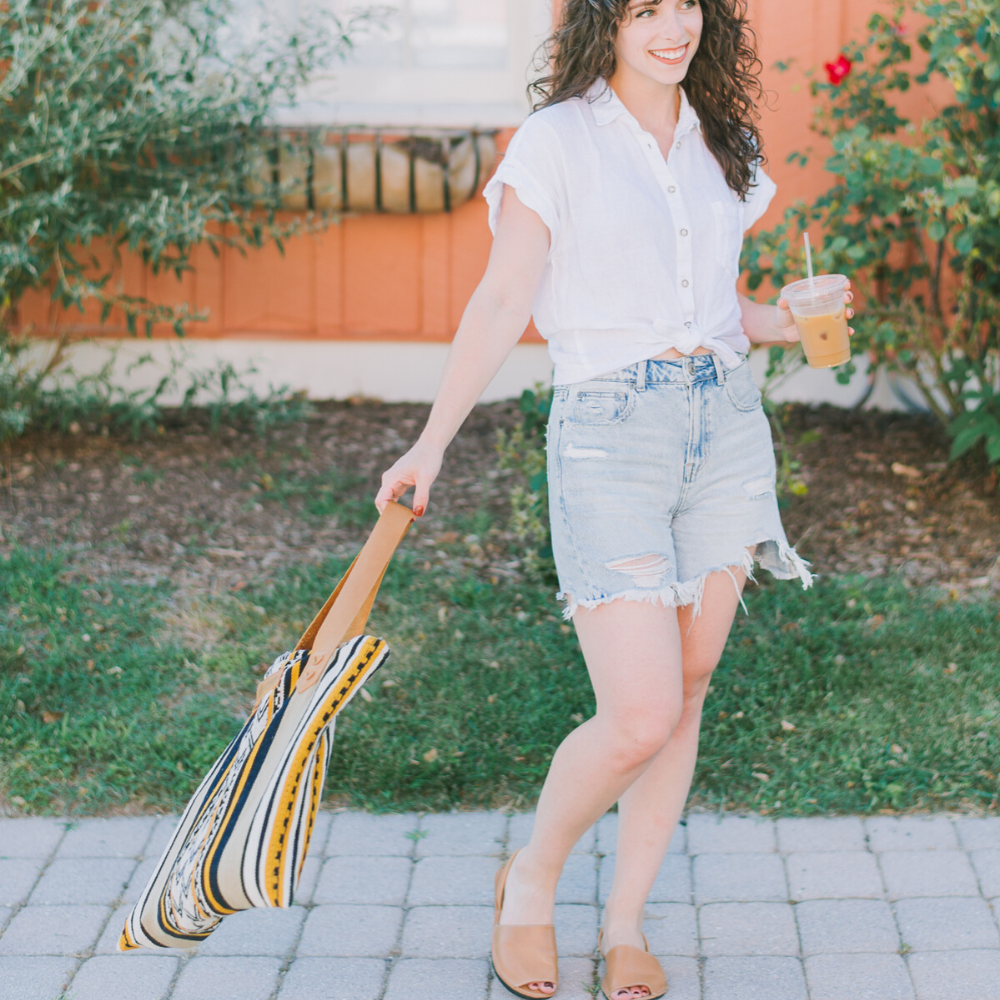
(821, 318)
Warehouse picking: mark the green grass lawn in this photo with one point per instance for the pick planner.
(856, 696)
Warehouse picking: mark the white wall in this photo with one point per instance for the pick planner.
(394, 371)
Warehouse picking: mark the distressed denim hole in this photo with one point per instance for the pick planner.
(572, 451)
(646, 571)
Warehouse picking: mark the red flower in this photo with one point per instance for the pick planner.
(836, 71)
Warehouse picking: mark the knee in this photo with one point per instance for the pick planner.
(639, 735)
(697, 676)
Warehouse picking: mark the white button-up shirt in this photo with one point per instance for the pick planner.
(644, 252)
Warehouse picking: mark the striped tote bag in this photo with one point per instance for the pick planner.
(243, 837)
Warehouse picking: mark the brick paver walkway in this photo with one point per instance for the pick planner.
(399, 908)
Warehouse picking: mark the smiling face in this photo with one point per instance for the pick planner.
(658, 39)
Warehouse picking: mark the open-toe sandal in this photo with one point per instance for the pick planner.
(626, 967)
(522, 953)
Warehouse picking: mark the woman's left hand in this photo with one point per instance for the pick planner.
(784, 321)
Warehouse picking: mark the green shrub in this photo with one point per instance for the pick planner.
(18, 388)
(142, 127)
(523, 450)
(37, 397)
(914, 215)
(142, 124)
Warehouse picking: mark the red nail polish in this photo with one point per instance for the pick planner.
(419, 511)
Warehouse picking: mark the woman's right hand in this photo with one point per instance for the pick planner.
(418, 468)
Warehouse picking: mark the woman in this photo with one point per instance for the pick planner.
(618, 213)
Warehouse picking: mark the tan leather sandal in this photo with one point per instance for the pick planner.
(626, 967)
(523, 953)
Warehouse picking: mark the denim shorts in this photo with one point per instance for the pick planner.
(659, 474)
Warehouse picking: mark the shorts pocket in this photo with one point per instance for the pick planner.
(741, 388)
(597, 407)
(728, 218)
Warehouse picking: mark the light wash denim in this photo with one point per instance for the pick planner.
(661, 473)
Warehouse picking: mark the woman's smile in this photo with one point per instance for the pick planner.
(670, 57)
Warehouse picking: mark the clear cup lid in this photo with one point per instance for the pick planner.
(822, 288)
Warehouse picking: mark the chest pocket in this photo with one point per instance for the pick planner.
(727, 217)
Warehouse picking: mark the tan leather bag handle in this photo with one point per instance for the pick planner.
(346, 611)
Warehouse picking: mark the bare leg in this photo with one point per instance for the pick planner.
(649, 810)
(633, 655)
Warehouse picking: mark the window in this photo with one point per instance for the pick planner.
(449, 63)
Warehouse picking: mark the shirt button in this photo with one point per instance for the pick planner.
(678, 145)
(684, 232)
(688, 323)
(685, 283)
(671, 189)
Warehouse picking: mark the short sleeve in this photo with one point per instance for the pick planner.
(762, 191)
(530, 167)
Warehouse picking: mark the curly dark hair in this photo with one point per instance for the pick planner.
(722, 83)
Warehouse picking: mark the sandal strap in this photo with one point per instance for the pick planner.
(500, 884)
(525, 953)
(626, 965)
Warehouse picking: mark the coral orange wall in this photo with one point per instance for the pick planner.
(408, 278)
(367, 277)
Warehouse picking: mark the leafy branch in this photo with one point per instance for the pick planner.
(142, 126)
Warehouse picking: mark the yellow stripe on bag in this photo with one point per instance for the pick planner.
(316, 795)
(277, 856)
(126, 942)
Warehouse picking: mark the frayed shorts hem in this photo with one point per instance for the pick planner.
(777, 557)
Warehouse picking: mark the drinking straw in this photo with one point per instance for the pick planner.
(809, 264)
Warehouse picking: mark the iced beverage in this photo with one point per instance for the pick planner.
(821, 318)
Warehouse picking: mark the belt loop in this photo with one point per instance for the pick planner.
(720, 369)
(640, 378)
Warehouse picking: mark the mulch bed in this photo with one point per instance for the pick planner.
(209, 512)
(882, 498)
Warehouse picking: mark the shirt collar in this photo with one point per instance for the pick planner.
(606, 106)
